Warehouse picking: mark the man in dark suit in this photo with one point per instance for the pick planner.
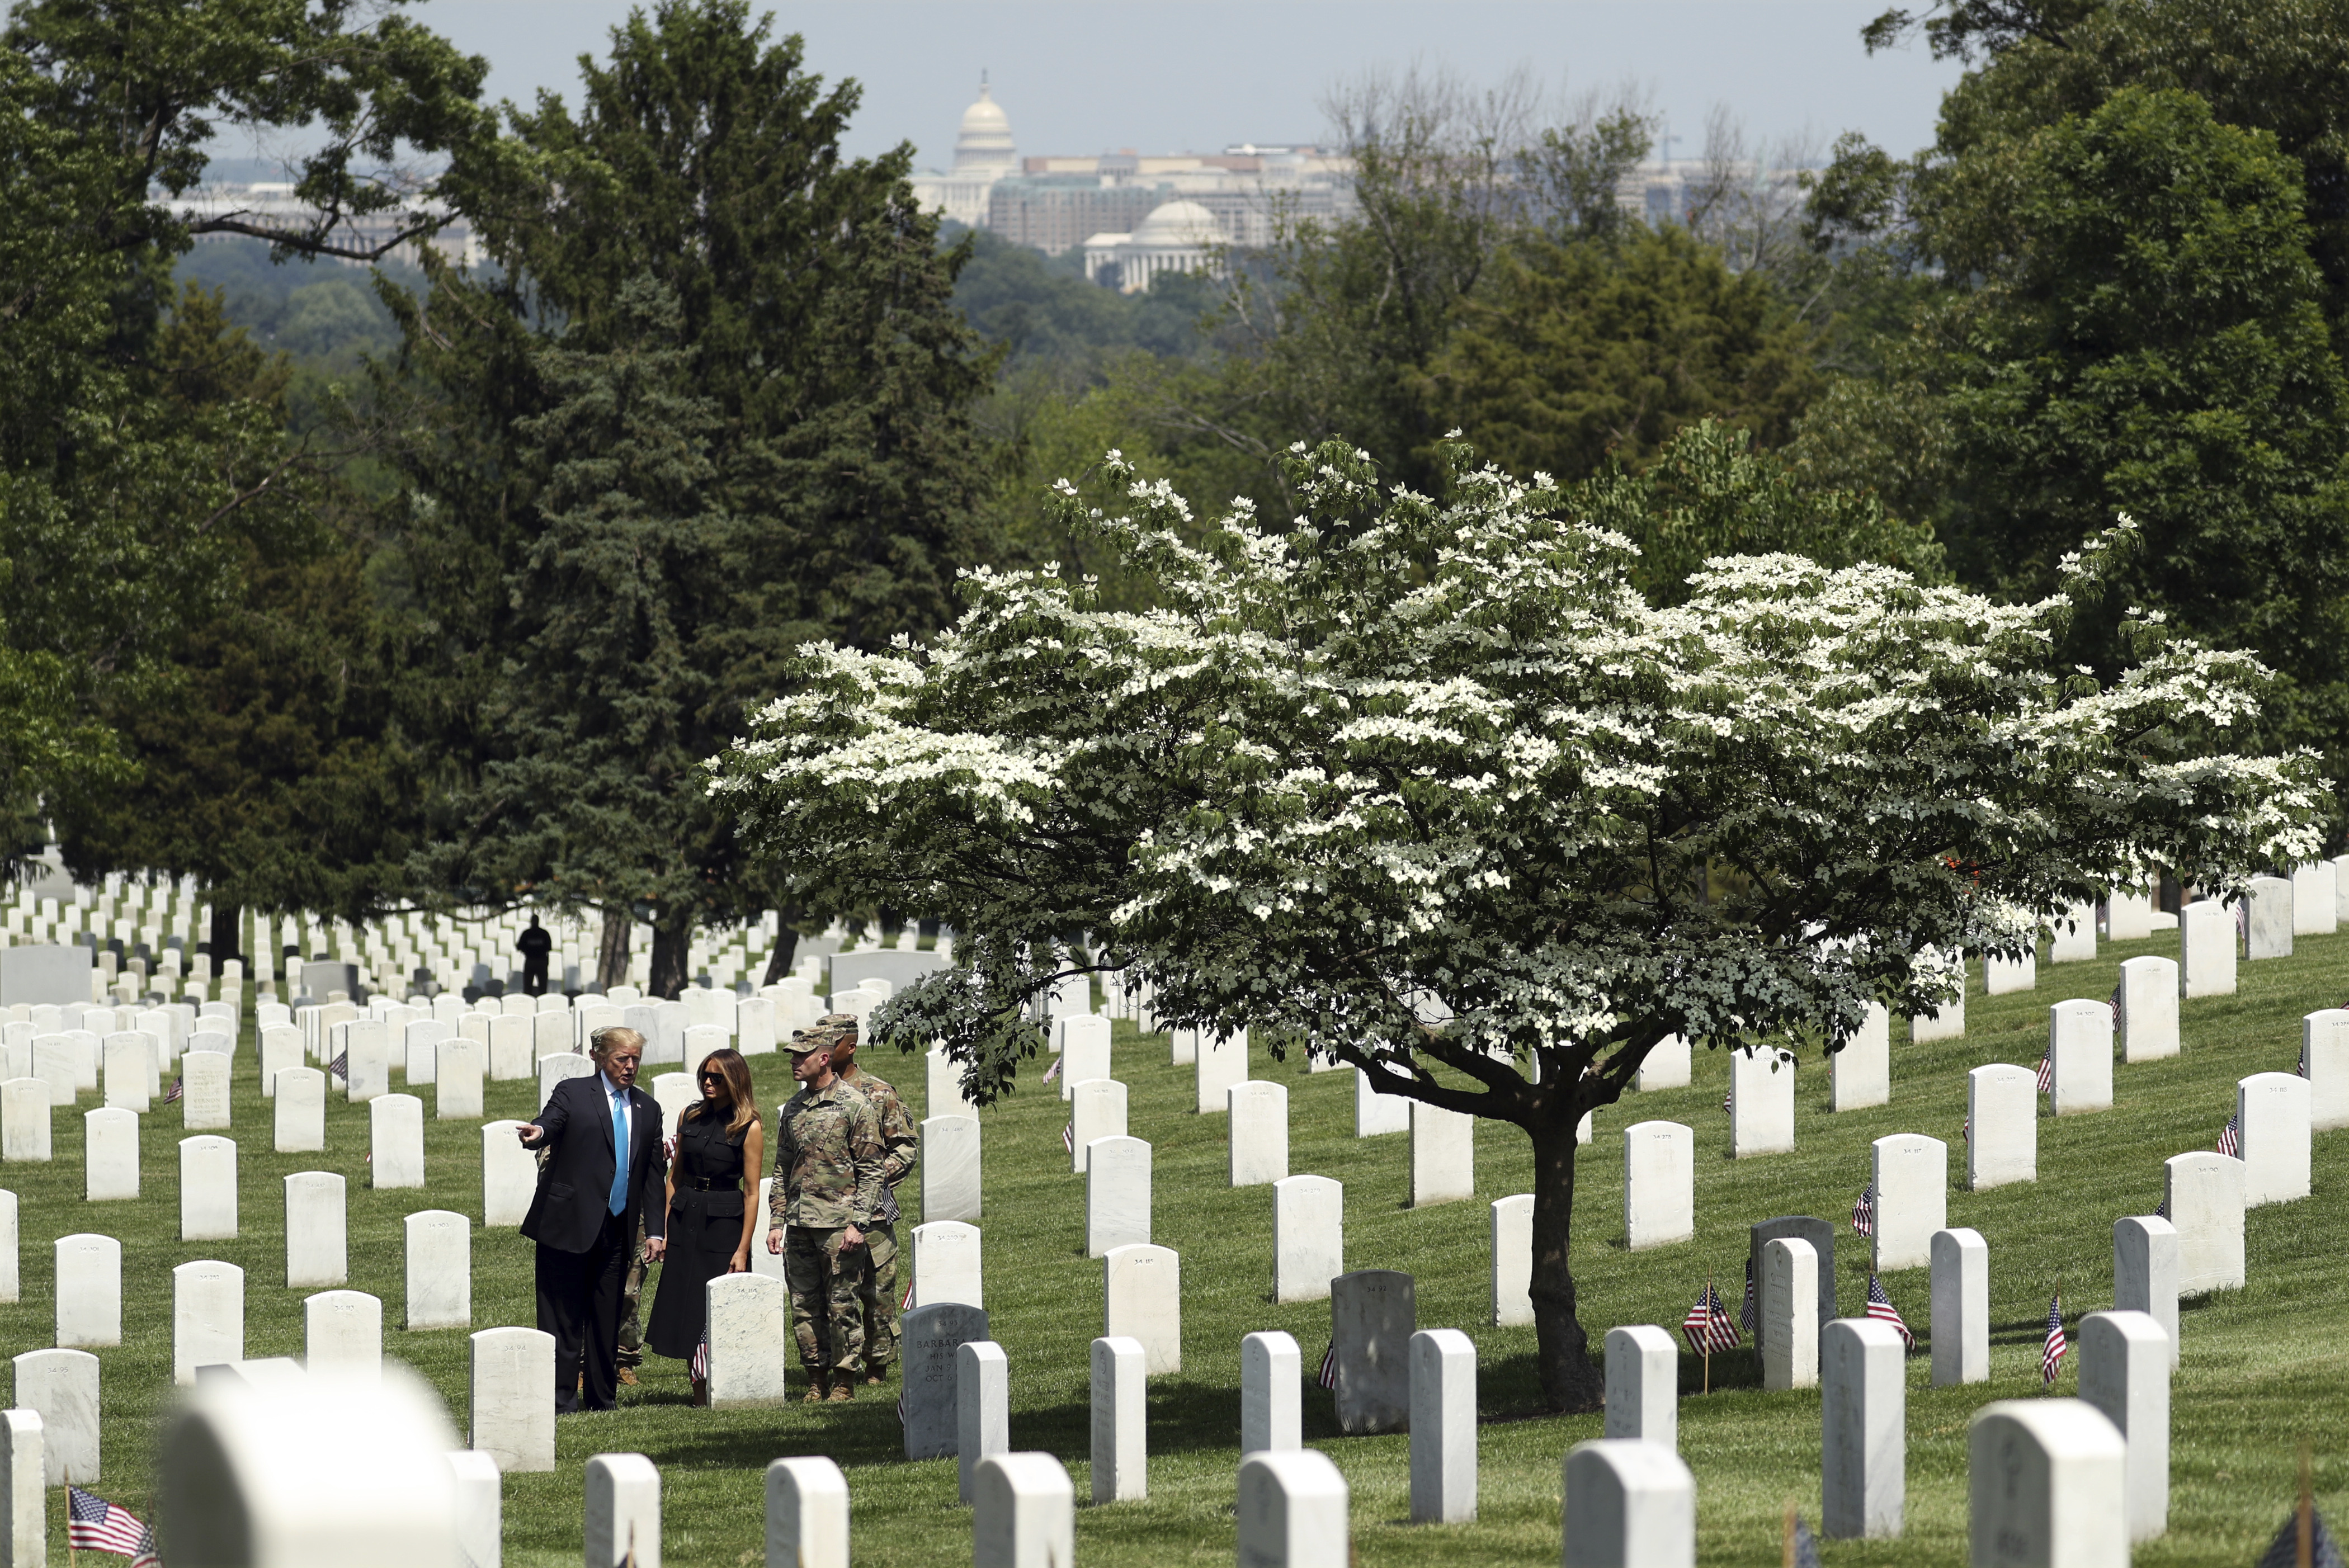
(606, 1168)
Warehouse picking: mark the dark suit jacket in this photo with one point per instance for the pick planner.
(574, 1185)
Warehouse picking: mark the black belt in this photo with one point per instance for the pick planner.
(713, 1184)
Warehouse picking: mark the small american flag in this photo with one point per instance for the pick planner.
(1328, 1376)
(2047, 1072)
(179, 1088)
(907, 1305)
(1863, 1213)
(340, 1066)
(1708, 1326)
(1069, 1139)
(2161, 1210)
(1966, 1130)
(1880, 1307)
(2051, 1359)
(1054, 1071)
(2231, 1138)
(1749, 1315)
(1724, 1102)
(94, 1524)
(901, 1409)
(698, 1368)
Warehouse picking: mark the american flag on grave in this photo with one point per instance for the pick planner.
(1880, 1307)
(340, 1066)
(1708, 1326)
(1328, 1376)
(1749, 1315)
(1863, 1213)
(2047, 1072)
(1069, 1139)
(1054, 1071)
(94, 1524)
(179, 1088)
(2231, 1138)
(2050, 1358)
(698, 1368)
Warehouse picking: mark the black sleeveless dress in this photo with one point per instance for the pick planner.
(705, 1227)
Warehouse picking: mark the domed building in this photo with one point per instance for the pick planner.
(1177, 237)
(984, 153)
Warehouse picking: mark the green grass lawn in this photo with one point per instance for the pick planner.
(2264, 1370)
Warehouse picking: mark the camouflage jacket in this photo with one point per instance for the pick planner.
(827, 1159)
(899, 1140)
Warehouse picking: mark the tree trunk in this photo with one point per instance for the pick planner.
(612, 961)
(671, 934)
(228, 921)
(787, 947)
(1570, 1384)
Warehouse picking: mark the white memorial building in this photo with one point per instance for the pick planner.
(1177, 237)
(983, 155)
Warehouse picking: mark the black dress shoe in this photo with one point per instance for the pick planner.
(569, 1407)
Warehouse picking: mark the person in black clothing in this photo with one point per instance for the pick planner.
(606, 1138)
(710, 1222)
(535, 945)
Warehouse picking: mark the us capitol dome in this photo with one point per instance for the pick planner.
(984, 153)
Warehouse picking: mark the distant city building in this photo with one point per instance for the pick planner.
(1056, 204)
(1179, 237)
(984, 153)
(272, 204)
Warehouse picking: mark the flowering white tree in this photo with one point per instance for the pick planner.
(1428, 786)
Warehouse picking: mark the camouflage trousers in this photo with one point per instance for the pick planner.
(826, 1278)
(878, 1292)
(632, 1293)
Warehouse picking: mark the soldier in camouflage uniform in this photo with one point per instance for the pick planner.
(899, 1144)
(827, 1183)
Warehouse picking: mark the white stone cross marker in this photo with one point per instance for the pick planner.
(89, 1292)
(807, 1512)
(301, 1111)
(2205, 1201)
(316, 1253)
(1513, 1259)
(621, 1505)
(1096, 1109)
(1117, 1194)
(2124, 1373)
(1863, 1440)
(2003, 1126)
(1860, 1074)
(1761, 1102)
(2205, 943)
(1442, 1426)
(946, 1265)
(1024, 1513)
(1643, 1375)
(950, 1168)
(204, 1091)
(1121, 1465)
(2148, 1009)
(750, 1318)
(982, 1408)
(1258, 1132)
(457, 1081)
(343, 1333)
(1293, 1510)
(207, 1318)
(1223, 1062)
(2325, 1063)
(2145, 1272)
(25, 1104)
(1271, 1415)
(1308, 1237)
(2080, 1052)
(2046, 1484)
(395, 1138)
(109, 1154)
(1961, 1302)
(512, 1383)
(2273, 1113)
(1442, 1155)
(1627, 1505)
(60, 1387)
(1912, 1198)
(208, 1189)
(439, 1269)
(1142, 1295)
(1789, 1304)
(509, 1174)
(1659, 1184)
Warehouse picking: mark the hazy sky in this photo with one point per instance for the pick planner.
(1194, 74)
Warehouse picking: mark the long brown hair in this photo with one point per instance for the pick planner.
(731, 1066)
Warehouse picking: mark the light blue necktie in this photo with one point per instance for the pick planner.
(619, 1151)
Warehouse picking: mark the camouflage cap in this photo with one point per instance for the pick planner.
(831, 1030)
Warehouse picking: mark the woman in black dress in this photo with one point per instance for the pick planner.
(718, 1137)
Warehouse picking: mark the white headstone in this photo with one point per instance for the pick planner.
(509, 1176)
(60, 1387)
(1761, 1102)
(301, 1118)
(1947, 1022)
(2079, 1055)
(1860, 1074)
(368, 1044)
(1644, 1374)
(11, 1270)
(24, 1534)
(1863, 1440)
(2315, 899)
(2005, 976)
(1788, 1300)
(509, 1055)
(1084, 1049)
(946, 1263)
(557, 1067)
(1258, 1137)
(2273, 1110)
(1223, 1062)
(1659, 1184)
(1667, 1065)
(1442, 1426)
(550, 1030)
(749, 1319)
(2073, 936)
(1442, 1155)
(950, 1167)
(1308, 1237)
(1376, 1114)
(2047, 1485)
(2205, 1203)
(422, 1040)
(807, 1511)
(621, 1505)
(316, 1252)
(2206, 940)
(130, 1063)
(1293, 1510)
(982, 1408)
(281, 1048)
(754, 1026)
(2146, 1012)
(945, 1095)
(1513, 1260)
(2145, 1272)
(207, 1318)
(439, 1269)
(396, 1141)
(109, 1155)
(1271, 1412)
(205, 1098)
(1141, 1294)
(1960, 1307)
(457, 1079)
(2325, 1063)
(2268, 928)
(2001, 1126)
(932, 1337)
(1627, 1505)
(56, 1061)
(480, 1512)
(207, 1189)
(1024, 1513)
(2124, 1373)
(512, 1397)
(1121, 1461)
(25, 1104)
(1096, 1109)
(1912, 1198)
(1117, 1194)
(1373, 1316)
(342, 1333)
(699, 1043)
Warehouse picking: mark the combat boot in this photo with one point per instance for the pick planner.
(817, 1383)
(844, 1388)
